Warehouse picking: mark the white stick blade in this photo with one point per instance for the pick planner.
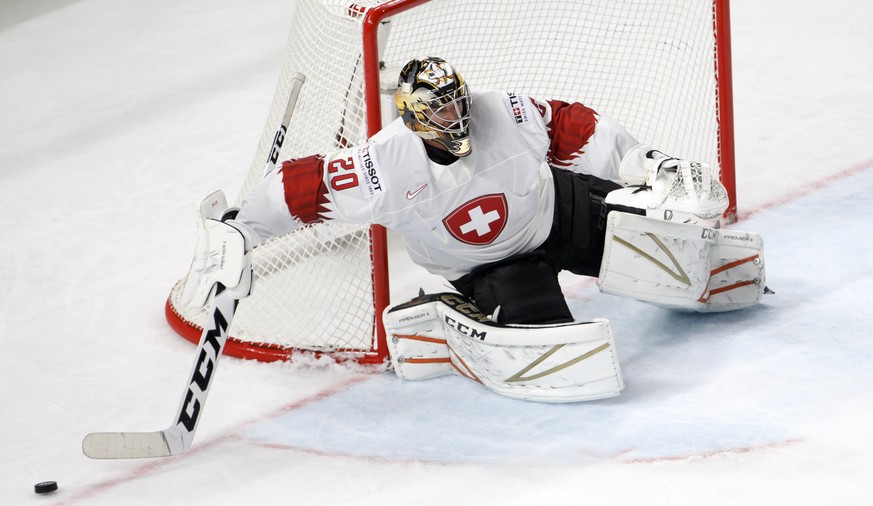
(125, 445)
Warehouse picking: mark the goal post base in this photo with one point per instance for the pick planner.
(267, 352)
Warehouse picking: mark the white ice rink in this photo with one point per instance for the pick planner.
(115, 117)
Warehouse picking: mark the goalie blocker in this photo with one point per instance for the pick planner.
(438, 334)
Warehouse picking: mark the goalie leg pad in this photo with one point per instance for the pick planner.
(681, 266)
(436, 334)
(737, 274)
(416, 339)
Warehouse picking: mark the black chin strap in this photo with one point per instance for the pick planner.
(439, 156)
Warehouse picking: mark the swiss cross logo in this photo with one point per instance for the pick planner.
(479, 221)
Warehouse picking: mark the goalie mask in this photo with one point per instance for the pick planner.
(433, 100)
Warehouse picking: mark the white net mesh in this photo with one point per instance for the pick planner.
(650, 65)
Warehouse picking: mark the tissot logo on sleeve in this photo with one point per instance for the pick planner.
(478, 221)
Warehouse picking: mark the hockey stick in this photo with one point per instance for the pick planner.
(178, 437)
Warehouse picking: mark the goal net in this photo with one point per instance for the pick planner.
(659, 68)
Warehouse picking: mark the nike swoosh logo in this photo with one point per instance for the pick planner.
(411, 195)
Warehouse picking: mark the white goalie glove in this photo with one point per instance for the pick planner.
(669, 188)
(222, 255)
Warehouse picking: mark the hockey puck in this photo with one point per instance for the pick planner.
(45, 487)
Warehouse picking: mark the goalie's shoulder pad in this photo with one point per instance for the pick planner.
(437, 334)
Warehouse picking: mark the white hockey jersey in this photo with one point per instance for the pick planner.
(496, 202)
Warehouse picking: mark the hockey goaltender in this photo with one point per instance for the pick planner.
(497, 193)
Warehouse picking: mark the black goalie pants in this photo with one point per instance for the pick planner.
(525, 287)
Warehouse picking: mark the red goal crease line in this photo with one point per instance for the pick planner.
(824, 182)
(230, 434)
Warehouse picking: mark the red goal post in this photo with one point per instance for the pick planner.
(661, 68)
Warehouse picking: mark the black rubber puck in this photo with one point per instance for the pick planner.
(45, 487)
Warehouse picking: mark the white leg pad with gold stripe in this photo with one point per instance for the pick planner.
(681, 266)
(440, 334)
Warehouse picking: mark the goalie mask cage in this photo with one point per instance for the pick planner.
(661, 68)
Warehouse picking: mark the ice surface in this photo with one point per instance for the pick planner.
(118, 116)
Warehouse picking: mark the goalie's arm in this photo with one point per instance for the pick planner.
(582, 140)
(285, 199)
(307, 190)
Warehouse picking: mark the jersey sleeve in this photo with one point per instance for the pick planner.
(581, 140)
(309, 190)
(331, 188)
(304, 188)
(285, 199)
